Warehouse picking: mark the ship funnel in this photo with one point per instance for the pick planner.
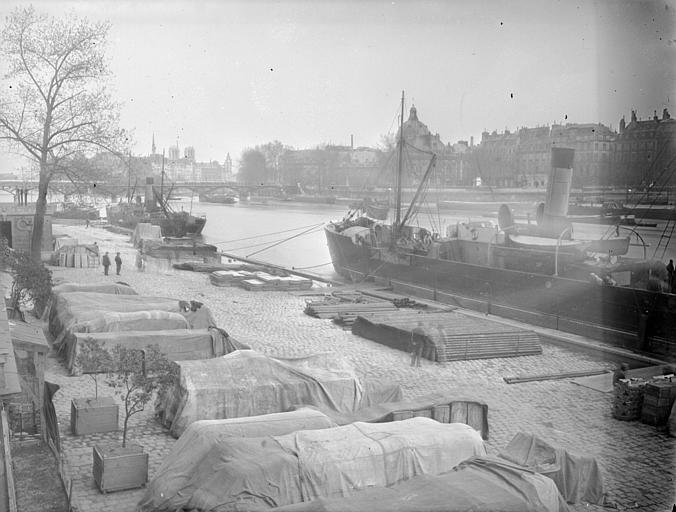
(151, 203)
(555, 211)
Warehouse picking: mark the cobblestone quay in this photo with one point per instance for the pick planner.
(637, 461)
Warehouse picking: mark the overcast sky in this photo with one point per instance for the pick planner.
(222, 76)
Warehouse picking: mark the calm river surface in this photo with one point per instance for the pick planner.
(243, 229)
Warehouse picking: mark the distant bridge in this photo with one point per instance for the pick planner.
(68, 187)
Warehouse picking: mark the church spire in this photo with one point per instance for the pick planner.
(153, 146)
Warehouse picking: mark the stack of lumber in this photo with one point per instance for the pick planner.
(449, 336)
(78, 256)
(628, 399)
(334, 307)
(657, 401)
(196, 266)
(229, 277)
(262, 281)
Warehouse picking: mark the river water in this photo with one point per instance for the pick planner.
(291, 234)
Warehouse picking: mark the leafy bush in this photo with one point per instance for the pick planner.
(136, 375)
(32, 286)
(92, 360)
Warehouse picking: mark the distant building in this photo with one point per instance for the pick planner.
(495, 159)
(643, 149)
(593, 146)
(174, 153)
(451, 166)
(187, 169)
(227, 169)
(523, 158)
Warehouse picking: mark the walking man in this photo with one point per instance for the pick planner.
(417, 343)
(118, 263)
(106, 263)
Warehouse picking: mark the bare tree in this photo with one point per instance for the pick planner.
(54, 103)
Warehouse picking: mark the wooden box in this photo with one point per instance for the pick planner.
(474, 414)
(425, 413)
(401, 415)
(89, 415)
(441, 413)
(116, 468)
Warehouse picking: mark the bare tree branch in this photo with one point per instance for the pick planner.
(55, 105)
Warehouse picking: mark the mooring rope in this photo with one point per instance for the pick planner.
(267, 234)
(307, 231)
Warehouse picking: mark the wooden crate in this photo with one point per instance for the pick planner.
(425, 413)
(442, 413)
(116, 468)
(89, 415)
(401, 415)
(474, 414)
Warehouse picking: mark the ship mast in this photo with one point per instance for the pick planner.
(162, 180)
(398, 180)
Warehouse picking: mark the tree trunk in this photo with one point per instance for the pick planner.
(124, 430)
(39, 218)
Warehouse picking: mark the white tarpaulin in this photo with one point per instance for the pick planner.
(71, 310)
(167, 489)
(176, 344)
(247, 383)
(260, 473)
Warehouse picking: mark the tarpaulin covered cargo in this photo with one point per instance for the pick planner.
(145, 231)
(135, 321)
(167, 489)
(66, 287)
(247, 383)
(176, 344)
(443, 407)
(113, 288)
(73, 308)
(479, 484)
(264, 472)
(577, 477)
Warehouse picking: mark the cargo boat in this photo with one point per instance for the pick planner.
(157, 211)
(534, 273)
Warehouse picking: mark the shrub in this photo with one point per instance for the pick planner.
(32, 286)
(136, 375)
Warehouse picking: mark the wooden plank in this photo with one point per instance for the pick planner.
(553, 376)
(9, 474)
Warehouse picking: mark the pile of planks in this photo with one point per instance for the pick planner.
(229, 277)
(449, 336)
(259, 281)
(262, 281)
(344, 308)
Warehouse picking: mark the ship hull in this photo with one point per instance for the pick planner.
(178, 225)
(607, 313)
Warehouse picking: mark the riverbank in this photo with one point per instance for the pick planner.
(637, 461)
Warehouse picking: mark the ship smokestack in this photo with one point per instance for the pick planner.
(554, 218)
(351, 141)
(151, 203)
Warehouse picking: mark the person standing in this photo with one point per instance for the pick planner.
(118, 263)
(106, 263)
(670, 272)
(417, 343)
